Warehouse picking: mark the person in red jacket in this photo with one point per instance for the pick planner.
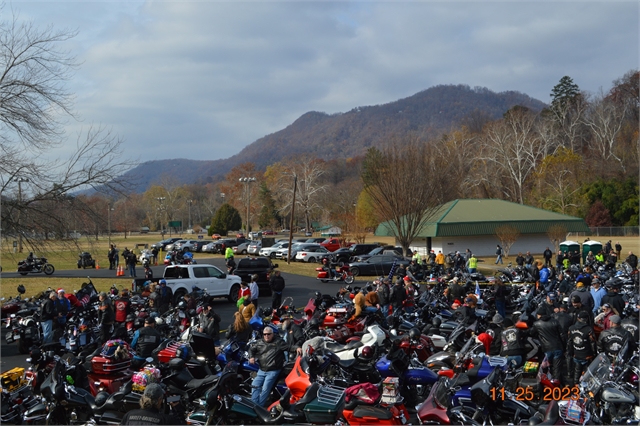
(73, 299)
(122, 307)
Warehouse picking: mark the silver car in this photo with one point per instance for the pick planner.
(271, 251)
(254, 247)
(243, 248)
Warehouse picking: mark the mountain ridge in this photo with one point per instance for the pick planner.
(429, 113)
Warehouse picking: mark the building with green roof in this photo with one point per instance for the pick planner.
(471, 224)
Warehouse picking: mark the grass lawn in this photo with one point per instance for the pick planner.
(65, 256)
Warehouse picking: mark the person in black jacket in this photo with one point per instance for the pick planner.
(614, 339)
(549, 333)
(501, 298)
(269, 352)
(106, 317)
(513, 343)
(614, 298)
(520, 259)
(165, 296)
(210, 323)
(547, 254)
(397, 295)
(581, 345)
(239, 329)
(293, 336)
(632, 260)
(276, 283)
(468, 311)
(455, 291)
(47, 314)
(146, 340)
(150, 412)
(578, 307)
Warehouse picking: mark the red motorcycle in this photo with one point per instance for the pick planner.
(341, 273)
(111, 368)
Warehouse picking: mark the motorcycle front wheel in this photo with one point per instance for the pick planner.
(22, 272)
(349, 279)
(48, 269)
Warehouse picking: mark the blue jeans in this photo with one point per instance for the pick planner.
(555, 360)
(371, 309)
(472, 270)
(132, 270)
(262, 386)
(516, 358)
(501, 308)
(499, 259)
(47, 331)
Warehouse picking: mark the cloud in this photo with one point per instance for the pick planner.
(202, 80)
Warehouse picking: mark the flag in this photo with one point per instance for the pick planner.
(478, 290)
(393, 270)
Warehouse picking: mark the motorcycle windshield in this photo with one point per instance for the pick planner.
(596, 374)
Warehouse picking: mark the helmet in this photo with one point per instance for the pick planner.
(414, 334)
(318, 295)
(315, 322)
(325, 260)
(162, 282)
(21, 289)
(131, 317)
(367, 352)
(101, 398)
(436, 322)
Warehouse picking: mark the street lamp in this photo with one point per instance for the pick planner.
(247, 181)
(20, 180)
(161, 201)
(189, 202)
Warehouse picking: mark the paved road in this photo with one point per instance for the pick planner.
(300, 288)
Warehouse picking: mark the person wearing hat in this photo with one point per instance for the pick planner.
(146, 340)
(585, 297)
(47, 314)
(468, 311)
(497, 327)
(512, 343)
(604, 319)
(106, 317)
(165, 296)
(455, 290)
(613, 339)
(409, 303)
(150, 412)
(581, 345)
(614, 298)
(209, 323)
(563, 285)
(597, 292)
(549, 307)
(576, 307)
(552, 342)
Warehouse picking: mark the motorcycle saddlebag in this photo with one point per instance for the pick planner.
(326, 408)
(107, 365)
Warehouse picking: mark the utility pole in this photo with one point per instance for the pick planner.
(20, 180)
(161, 201)
(109, 210)
(189, 202)
(247, 181)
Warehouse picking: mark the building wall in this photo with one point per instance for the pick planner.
(485, 245)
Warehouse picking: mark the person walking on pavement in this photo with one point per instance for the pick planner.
(276, 283)
(269, 353)
(499, 253)
(549, 332)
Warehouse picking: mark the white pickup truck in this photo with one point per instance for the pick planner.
(182, 278)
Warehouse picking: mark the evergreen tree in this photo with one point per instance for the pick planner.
(227, 218)
(564, 93)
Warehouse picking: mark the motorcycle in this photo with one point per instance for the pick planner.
(86, 261)
(341, 273)
(12, 305)
(16, 397)
(37, 266)
(25, 329)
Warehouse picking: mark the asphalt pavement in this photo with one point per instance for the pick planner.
(299, 288)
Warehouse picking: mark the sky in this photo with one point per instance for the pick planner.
(203, 79)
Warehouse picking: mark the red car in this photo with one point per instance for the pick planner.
(216, 236)
(268, 232)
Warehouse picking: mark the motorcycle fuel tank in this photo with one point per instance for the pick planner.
(618, 396)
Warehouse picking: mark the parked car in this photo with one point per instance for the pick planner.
(268, 232)
(216, 236)
(377, 251)
(182, 278)
(312, 254)
(208, 248)
(186, 245)
(243, 248)
(315, 240)
(283, 252)
(271, 251)
(254, 247)
(161, 245)
(379, 265)
(255, 235)
(199, 245)
(332, 244)
(172, 245)
(221, 245)
(308, 234)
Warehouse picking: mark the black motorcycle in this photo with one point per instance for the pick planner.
(86, 261)
(36, 266)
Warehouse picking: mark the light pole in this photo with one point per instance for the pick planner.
(293, 210)
(109, 210)
(161, 201)
(20, 180)
(247, 181)
(189, 202)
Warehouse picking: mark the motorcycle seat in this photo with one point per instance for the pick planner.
(197, 383)
(309, 395)
(369, 411)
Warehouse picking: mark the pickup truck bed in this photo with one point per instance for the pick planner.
(262, 266)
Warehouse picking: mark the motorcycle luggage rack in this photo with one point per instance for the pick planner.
(330, 395)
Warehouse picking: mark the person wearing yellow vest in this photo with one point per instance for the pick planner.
(473, 264)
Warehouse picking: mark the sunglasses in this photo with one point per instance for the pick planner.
(267, 334)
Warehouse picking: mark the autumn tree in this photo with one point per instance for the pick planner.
(507, 235)
(598, 215)
(393, 178)
(567, 108)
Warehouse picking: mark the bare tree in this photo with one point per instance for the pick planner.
(513, 147)
(391, 177)
(508, 235)
(605, 119)
(557, 234)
